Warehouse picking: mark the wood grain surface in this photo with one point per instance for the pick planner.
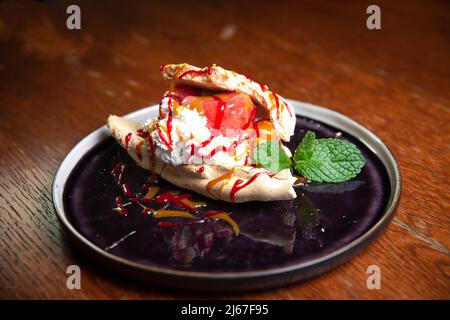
(58, 85)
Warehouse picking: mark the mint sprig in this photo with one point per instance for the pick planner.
(327, 160)
(270, 155)
(319, 160)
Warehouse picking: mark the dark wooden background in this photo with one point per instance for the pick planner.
(57, 85)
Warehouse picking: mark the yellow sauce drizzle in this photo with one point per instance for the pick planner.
(227, 176)
(265, 128)
(225, 217)
(172, 214)
(193, 204)
(152, 192)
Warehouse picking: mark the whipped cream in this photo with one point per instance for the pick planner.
(190, 141)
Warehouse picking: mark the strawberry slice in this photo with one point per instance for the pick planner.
(230, 110)
(182, 91)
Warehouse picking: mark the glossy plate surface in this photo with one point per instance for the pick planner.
(279, 242)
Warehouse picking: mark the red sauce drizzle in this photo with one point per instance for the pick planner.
(126, 189)
(220, 112)
(127, 140)
(142, 133)
(213, 213)
(215, 150)
(200, 170)
(119, 201)
(168, 141)
(169, 121)
(165, 224)
(119, 170)
(206, 142)
(176, 199)
(263, 86)
(255, 126)
(181, 200)
(119, 207)
(202, 145)
(147, 211)
(161, 67)
(207, 71)
(174, 96)
(232, 147)
(238, 184)
(163, 139)
(277, 103)
(152, 144)
(140, 200)
(193, 72)
(287, 107)
(250, 120)
(121, 210)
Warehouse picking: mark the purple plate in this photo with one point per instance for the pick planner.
(280, 242)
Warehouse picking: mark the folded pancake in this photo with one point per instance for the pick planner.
(279, 111)
(237, 184)
(210, 122)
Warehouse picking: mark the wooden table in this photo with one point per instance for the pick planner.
(57, 85)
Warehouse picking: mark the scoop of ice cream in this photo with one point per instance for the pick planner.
(185, 135)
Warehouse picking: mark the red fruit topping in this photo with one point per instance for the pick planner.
(230, 110)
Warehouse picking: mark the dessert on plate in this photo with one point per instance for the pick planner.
(210, 122)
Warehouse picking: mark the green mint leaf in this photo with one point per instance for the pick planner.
(270, 155)
(305, 148)
(328, 160)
